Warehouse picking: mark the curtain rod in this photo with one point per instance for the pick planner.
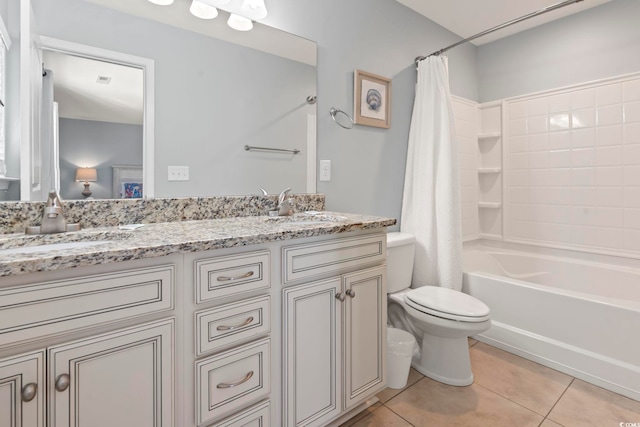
(501, 26)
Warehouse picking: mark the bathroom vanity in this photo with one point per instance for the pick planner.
(223, 322)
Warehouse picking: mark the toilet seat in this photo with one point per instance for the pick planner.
(448, 304)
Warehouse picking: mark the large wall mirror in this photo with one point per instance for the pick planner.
(199, 92)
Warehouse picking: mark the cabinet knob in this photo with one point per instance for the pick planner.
(340, 296)
(351, 293)
(62, 382)
(29, 391)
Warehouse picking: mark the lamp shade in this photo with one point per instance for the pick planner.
(86, 174)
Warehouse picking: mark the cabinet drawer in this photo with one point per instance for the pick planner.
(224, 276)
(34, 310)
(256, 416)
(230, 323)
(231, 380)
(334, 256)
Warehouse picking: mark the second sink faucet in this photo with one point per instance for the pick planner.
(284, 206)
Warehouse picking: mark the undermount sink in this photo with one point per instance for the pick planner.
(52, 247)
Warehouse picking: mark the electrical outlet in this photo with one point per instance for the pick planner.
(178, 173)
(325, 170)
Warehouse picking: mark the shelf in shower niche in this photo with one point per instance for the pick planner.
(489, 205)
(489, 135)
(489, 170)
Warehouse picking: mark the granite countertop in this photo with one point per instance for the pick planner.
(69, 250)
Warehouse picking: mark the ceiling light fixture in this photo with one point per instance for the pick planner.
(242, 12)
(239, 23)
(202, 10)
(162, 2)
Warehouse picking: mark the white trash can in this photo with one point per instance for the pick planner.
(401, 347)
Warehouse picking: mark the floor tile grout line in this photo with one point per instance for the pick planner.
(513, 401)
(399, 415)
(560, 398)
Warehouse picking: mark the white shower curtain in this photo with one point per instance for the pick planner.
(431, 199)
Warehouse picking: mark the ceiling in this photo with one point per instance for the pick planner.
(468, 17)
(81, 96)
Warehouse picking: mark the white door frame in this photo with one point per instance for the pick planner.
(147, 65)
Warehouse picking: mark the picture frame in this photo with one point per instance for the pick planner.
(371, 99)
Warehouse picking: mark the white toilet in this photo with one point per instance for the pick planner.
(441, 319)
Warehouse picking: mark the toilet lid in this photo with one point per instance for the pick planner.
(448, 304)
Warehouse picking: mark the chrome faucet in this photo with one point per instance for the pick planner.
(284, 206)
(53, 220)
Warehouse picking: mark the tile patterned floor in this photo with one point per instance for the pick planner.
(508, 391)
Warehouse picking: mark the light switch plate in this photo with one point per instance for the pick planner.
(178, 173)
(325, 170)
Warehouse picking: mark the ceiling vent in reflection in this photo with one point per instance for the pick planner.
(103, 80)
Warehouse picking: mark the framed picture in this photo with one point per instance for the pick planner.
(371, 99)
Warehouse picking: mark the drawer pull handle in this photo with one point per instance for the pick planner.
(29, 392)
(233, 328)
(62, 382)
(340, 296)
(227, 278)
(351, 293)
(242, 381)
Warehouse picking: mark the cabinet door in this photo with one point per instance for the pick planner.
(22, 390)
(122, 379)
(312, 345)
(364, 334)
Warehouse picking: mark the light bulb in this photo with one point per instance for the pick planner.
(202, 10)
(239, 23)
(162, 2)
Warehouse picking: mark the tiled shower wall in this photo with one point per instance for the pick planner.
(573, 167)
(465, 114)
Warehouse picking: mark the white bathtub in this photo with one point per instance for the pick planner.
(581, 318)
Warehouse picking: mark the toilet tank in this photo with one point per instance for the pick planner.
(400, 253)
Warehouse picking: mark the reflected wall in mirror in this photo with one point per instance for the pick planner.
(212, 97)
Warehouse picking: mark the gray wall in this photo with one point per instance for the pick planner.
(382, 37)
(87, 143)
(600, 42)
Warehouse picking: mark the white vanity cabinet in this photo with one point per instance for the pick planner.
(279, 333)
(232, 346)
(100, 347)
(21, 399)
(334, 329)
